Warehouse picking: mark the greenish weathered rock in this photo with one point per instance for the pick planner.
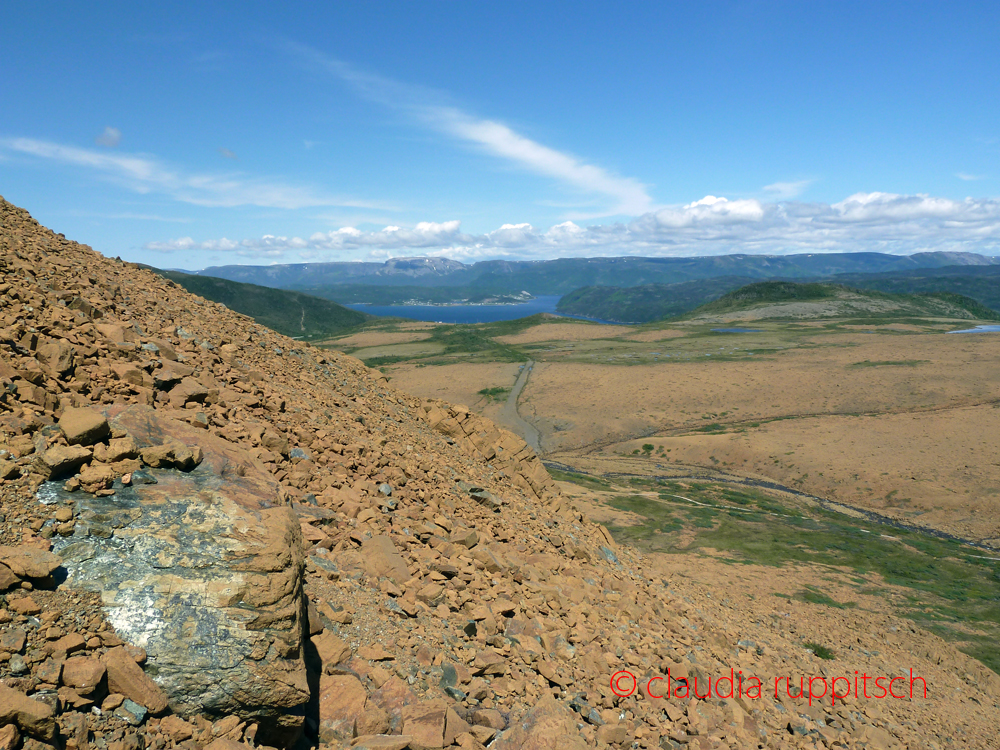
(204, 572)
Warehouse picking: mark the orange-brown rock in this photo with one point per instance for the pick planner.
(383, 559)
(60, 460)
(10, 737)
(342, 700)
(126, 677)
(32, 717)
(425, 723)
(29, 562)
(83, 426)
(548, 726)
(83, 673)
(176, 728)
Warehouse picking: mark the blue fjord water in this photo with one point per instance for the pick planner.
(469, 313)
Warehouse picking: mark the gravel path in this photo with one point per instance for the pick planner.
(510, 416)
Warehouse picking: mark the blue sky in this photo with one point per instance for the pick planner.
(219, 133)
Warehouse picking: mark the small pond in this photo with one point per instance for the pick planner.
(979, 329)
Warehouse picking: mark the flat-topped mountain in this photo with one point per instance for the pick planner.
(393, 271)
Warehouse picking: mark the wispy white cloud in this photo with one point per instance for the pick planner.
(787, 190)
(970, 177)
(133, 217)
(884, 222)
(225, 153)
(623, 195)
(146, 174)
(111, 137)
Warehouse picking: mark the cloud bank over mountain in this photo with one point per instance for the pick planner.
(882, 222)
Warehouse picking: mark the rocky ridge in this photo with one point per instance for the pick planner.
(440, 591)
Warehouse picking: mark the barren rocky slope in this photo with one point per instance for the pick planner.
(213, 535)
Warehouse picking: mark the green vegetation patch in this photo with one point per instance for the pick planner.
(496, 393)
(647, 303)
(770, 291)
(958, 284)
(583, 480)
(952, 589)
(823, 652)
(471, 339)
(814, 596)
(290, 313)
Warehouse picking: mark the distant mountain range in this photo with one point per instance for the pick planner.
(563, 275)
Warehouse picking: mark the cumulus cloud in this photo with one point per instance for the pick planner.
(713, 225)
(146, 174)
(623, 195)
(111, 137)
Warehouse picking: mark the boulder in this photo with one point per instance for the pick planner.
(187, 390)
(548, 726)
(127, 678)
(176, 728)
(96, 477)
(7, 577)
(171, 374)
(454, 726)
(83, 426)
(24, 605)
(9, 470)
(425, 722)
(116, 450)
(372, 721)
(204, 572)
(29, 562)
(330, 648)
(56, 357)
(10, 737)
(83, 674)
(32, 717)
(341, 701)
(60, 460)
(382, 742)
(383, 559)
(275, 442)
(172, 454)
